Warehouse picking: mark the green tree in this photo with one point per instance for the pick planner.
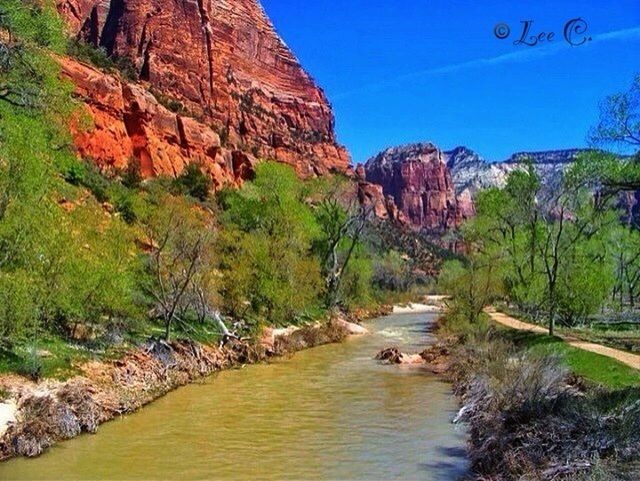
(549, 252)
(625, 249)
(392, 272)
(19, 309)
(619, 123)
(507, 229)
(342, 220)
(269, 271)
(618, 128)
(473, 285)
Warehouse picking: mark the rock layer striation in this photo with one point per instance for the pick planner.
(228, 80)
(418, 181)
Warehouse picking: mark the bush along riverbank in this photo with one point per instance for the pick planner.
(40, 414)
(529, 416)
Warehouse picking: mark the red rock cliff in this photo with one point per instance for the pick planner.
(223, 61)
(418, 180)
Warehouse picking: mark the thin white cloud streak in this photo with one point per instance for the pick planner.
(531, 53)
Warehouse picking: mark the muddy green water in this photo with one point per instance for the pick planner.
(327, 413)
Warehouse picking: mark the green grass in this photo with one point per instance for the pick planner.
(624, 337)
(593, 367)
(60, 359)
(59, 362)
(207, 333)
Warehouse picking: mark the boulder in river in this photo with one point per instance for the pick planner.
(393, 355)
(352, 328)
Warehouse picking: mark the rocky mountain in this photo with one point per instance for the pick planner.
(471, 172)
(433, 190)
(214, 84)
(417, 187)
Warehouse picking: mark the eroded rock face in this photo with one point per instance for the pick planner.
(416, 177)
(224, 63)
(128, 123)
(473, 173)
(372, 197)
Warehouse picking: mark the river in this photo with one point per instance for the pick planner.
(327, 413)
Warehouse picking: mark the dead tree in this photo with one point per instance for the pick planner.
(178, 247)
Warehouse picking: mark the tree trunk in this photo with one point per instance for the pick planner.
(167, 330)
(552, 308)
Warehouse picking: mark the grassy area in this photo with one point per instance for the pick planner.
(625, 337)
(59, 358)
(593, 367)
(51, 357)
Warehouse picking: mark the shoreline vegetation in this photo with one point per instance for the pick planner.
(116, 289)
(563, 257)
(529, 415)
(40, 414)
(624, 357)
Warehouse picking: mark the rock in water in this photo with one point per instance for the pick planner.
(390, 355)
(393, 355)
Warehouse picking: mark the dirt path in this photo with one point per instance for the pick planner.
(632, 360)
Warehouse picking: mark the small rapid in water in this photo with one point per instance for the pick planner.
(327, 413)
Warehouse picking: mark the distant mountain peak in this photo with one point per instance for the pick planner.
(470, 171)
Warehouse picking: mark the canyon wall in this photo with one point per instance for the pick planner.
(416, 178)
(213, 81)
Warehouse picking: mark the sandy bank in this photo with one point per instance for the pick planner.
(7, 416)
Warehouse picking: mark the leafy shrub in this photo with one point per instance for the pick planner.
(87, 175)
(392, 273)
(19, 311)
(101, 59)
(125, 205)
(97, 56)
(132, 176)
(170, 103)
(194, 182)
(473, 286)
(356, 286)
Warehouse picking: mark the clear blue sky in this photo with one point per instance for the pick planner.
(399, 71)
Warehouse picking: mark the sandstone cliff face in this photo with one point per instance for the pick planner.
(416, 177)
(129, 123)
(372, 196)
(223, 61)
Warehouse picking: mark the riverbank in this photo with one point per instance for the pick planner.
(330, 412)
(37, 415)
(431, 304)
(529, 415)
